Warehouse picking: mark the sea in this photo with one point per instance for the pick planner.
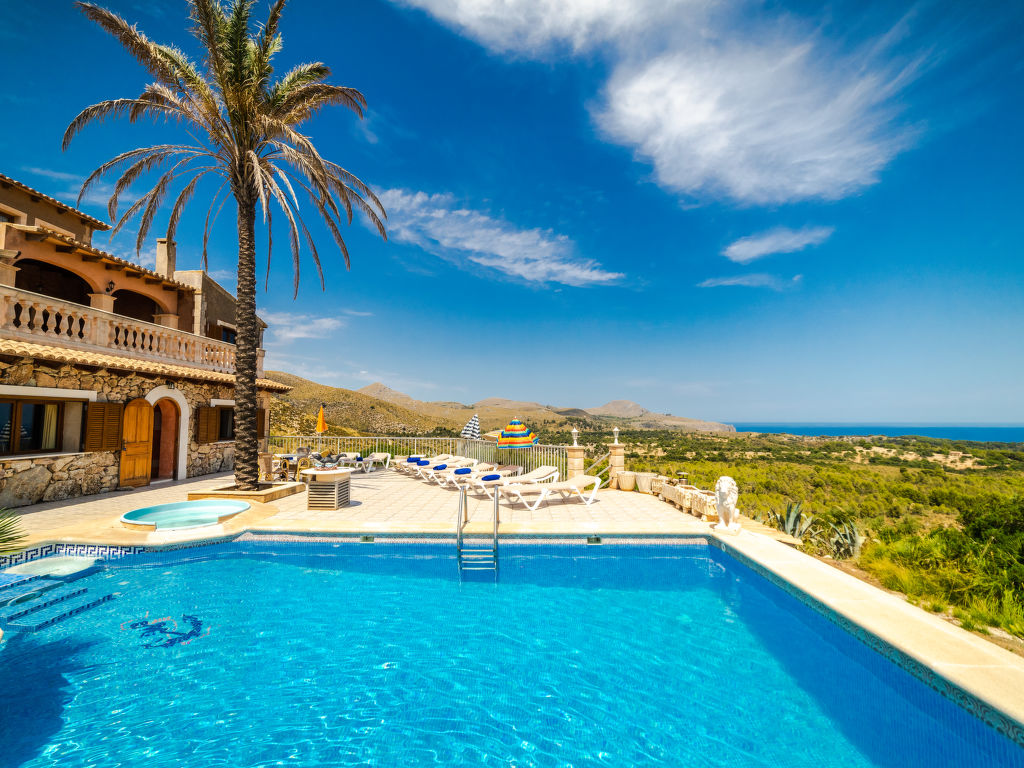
(985, 433)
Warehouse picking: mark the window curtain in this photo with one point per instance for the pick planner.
(49, 427)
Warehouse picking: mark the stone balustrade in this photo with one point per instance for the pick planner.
(40, 319)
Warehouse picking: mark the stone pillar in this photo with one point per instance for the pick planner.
(575, 453)
(103, 301)
(616, 463)
(167, 319)
(7, 268)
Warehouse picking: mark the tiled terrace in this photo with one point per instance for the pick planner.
(383, 502)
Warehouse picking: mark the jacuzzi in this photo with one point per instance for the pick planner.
(183, 514)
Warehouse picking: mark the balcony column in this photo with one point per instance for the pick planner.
(102, 301)
(167, 319)
(7, 269)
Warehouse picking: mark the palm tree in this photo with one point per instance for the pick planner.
(241, 129)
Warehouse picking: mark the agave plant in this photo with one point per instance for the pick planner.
(793, 521)
(11, 534)
(844, 541)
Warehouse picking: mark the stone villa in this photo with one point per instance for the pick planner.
(111, 375)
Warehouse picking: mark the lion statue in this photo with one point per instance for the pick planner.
(726, 493)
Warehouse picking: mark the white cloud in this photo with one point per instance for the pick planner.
(725, 101)
(284, 327)
(754, 280)
(532, 26)
(777, 240)
(439, 225)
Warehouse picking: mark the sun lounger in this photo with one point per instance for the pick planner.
(368, 462)
(409, 464)
(454, 475)
(427, 472)
(484, 483)
(574, 486)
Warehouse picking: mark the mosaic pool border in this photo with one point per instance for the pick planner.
(1000, 721)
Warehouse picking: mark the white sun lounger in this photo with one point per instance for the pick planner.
(573, 486)
(455, 475)
(484, 483)
(428, 472)
(411, 467)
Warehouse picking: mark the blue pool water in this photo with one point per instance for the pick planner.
(264, 654)
(185, 514)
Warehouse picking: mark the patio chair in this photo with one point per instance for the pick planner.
(574, 486)
(483, 484)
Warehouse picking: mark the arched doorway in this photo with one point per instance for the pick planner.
(183, 416)
(136, 305)
(51, 280)
(165, 440)
(137, 443)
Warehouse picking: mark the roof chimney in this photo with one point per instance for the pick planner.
(165, 257)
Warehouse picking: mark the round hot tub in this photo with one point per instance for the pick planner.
(183, 514)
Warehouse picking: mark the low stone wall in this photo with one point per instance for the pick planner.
(51, 478)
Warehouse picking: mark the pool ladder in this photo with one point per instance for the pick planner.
(475, 558)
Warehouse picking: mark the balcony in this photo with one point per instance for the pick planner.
(33, 317)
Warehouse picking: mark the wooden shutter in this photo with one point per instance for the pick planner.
(207, 425)
(261, 423)
(103, 426)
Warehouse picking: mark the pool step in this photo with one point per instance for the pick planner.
(16, 611)
(58, 611)
(26, 589)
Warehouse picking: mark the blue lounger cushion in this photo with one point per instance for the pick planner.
(441, 466)
(463, 471)
(423, 463)
(414, 459)
(491, 477)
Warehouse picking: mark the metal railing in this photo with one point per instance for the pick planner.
(598, 462)
(482, 450)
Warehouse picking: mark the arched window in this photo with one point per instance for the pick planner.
(51, 280)
(132, 304)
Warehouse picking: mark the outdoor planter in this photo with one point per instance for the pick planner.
(626, 480)
(645, 481)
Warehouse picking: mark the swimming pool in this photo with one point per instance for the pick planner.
(180, 515)
(321, 654)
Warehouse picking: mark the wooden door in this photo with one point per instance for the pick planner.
(137, 444)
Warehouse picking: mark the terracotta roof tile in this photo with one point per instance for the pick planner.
(36, 229)
(96, 223)
(119, 362)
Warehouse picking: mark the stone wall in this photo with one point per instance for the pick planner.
(28, 481)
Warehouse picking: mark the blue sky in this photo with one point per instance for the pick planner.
(726, 210)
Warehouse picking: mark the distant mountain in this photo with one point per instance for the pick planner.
(619, 409)
(378, 409)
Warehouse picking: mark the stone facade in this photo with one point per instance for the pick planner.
(28, 480)
(51, 478)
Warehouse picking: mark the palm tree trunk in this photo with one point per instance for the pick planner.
(247, 342)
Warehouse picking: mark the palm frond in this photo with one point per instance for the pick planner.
(12, 535)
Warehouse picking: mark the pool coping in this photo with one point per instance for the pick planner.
(979, 676)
